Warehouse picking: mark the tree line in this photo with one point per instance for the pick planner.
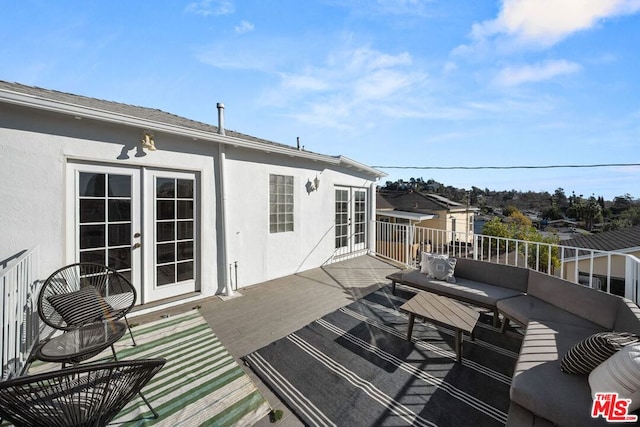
(592, 212)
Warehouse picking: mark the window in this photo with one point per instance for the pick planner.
(280, 203)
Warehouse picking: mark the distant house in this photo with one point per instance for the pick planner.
(624, 241)
(426, 210)
(184, 209)
(448, 221)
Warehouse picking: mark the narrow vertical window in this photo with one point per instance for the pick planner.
(280, 203)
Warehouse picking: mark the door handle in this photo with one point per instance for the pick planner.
(136, 246)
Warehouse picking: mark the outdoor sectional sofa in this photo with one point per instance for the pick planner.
(556, 314)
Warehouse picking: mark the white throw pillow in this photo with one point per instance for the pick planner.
(619, 374)
(424, 262)
(441, 267)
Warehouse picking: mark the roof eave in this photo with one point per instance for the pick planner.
(349, 163)
(32, 101)
(405, 215)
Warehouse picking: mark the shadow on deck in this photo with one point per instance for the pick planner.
(272, 310)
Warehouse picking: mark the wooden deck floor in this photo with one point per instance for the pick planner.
(269, 311)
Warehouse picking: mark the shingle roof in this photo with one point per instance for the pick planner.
(126, 109)
(416, 202)
(381, 203)
(614, 240)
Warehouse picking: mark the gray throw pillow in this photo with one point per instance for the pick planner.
(441, 267)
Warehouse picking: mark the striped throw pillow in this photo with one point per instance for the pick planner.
(586, 355)
(619, 374)
(80, 307)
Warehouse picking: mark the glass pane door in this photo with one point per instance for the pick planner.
(174, 230)
(157, 252)
(359, 219)
(171, 266)
(105, 219)
(342, 219)
(351, 220)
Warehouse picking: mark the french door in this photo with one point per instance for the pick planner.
(351, 220)
(140, 221)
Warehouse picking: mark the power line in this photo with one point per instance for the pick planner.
(602, 165)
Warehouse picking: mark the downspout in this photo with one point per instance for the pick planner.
(372, 217)
(223, 206)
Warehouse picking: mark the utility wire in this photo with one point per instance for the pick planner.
(602, 165)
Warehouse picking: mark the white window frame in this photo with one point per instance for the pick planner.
(281, 203)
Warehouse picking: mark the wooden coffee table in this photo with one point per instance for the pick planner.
(442, 311)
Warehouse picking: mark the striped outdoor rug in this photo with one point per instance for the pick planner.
(354, 367)
(200, 385)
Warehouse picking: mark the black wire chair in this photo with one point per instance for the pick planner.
(85, 395)
(83, 293)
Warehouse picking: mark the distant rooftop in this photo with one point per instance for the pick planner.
(412, 201)
(615, 240)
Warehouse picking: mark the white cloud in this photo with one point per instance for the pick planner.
(403, 7)
(449, 137)
(351, 86)
(381, 84)
(335, 85)
(211, 7)
(546, 22)
(304, 83)
(449, 67)
(268, 55)
(244, 27)
(387, 7)
(513, 76)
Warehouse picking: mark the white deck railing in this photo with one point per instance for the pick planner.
(19, 285)
(613, 272)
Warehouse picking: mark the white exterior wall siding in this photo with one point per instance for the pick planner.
(261, 255)
(41, 141)
(36, 208)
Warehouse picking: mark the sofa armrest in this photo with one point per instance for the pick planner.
(627, 317)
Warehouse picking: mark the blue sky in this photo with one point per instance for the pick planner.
(413, 83)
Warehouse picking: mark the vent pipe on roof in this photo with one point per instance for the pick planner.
(220, 106)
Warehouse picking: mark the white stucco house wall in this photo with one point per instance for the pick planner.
(208, 209)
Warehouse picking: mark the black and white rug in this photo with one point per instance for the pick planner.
(354, 367)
